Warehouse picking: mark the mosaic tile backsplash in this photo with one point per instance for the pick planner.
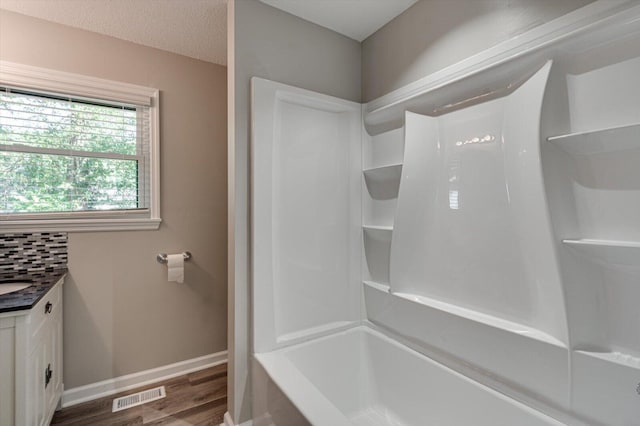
(21, 253)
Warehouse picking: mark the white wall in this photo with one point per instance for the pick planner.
(433, 34)
(275, 45)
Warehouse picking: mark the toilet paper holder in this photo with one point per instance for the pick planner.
(162, 257)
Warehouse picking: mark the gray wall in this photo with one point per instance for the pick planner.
(272, 44)
(120, 314)
(433, 34)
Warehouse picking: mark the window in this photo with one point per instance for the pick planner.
(76, 153)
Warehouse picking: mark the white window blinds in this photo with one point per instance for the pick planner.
(66, 154)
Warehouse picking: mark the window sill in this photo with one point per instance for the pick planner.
(79, 225)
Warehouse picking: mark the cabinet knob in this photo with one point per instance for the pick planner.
(47, 308)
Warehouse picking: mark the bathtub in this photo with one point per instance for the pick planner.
(362, 377)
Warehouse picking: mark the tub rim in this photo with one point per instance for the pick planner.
(319, 410)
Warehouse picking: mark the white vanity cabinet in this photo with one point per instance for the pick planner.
(31, 361)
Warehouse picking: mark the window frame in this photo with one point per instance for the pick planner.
(46, 80)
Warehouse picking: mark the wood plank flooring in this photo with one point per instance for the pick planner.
(198, 398)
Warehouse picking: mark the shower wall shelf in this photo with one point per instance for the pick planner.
(619, 358)
(592, 180)
(382, 170)
(482, 318)
(625, 253)
(385, 149)
(383, 182)
(484, 75)
(610, 375)
(603, 243)
(620, 138)
(473, 339)
(390, 171)
(378, 286)
(376, 228)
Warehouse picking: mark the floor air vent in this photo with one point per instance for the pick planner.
(139, 398)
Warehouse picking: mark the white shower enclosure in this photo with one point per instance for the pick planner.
(465, 251)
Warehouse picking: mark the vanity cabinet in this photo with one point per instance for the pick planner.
(31, 362)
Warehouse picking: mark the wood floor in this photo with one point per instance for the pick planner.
(198, 398)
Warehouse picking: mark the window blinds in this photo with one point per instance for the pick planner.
(65, 154)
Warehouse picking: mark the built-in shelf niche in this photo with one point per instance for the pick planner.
(375, 228)
(377, 251)
(592, 177)
(619, 358)
(385, 288)
(381, 195)
(603, 175)
(620, 138)
(483, 318)
(615, 279)
(382, 170)
(613, 377)
(383, 182)
(384, 149)
(623, 253)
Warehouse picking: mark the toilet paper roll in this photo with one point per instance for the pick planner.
(175, 268)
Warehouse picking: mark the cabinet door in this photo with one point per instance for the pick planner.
(53, 353)
(7, 370)
(38, 361)
(36, 387)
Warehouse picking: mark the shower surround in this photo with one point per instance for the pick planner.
(463, 251)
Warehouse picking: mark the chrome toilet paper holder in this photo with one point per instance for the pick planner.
(162, 257)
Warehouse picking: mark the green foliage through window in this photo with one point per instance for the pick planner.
(63, 155)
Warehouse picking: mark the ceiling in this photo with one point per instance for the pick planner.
(194, 28)
(357, 19)
(197, 28)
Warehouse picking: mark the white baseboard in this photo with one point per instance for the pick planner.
(130, 381)
(228, 421)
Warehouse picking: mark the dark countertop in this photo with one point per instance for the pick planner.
(42, 281)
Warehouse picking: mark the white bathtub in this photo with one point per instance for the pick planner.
(361, 377)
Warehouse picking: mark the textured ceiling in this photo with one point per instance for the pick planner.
(198, 28)
(357, 19)
(194, 28)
